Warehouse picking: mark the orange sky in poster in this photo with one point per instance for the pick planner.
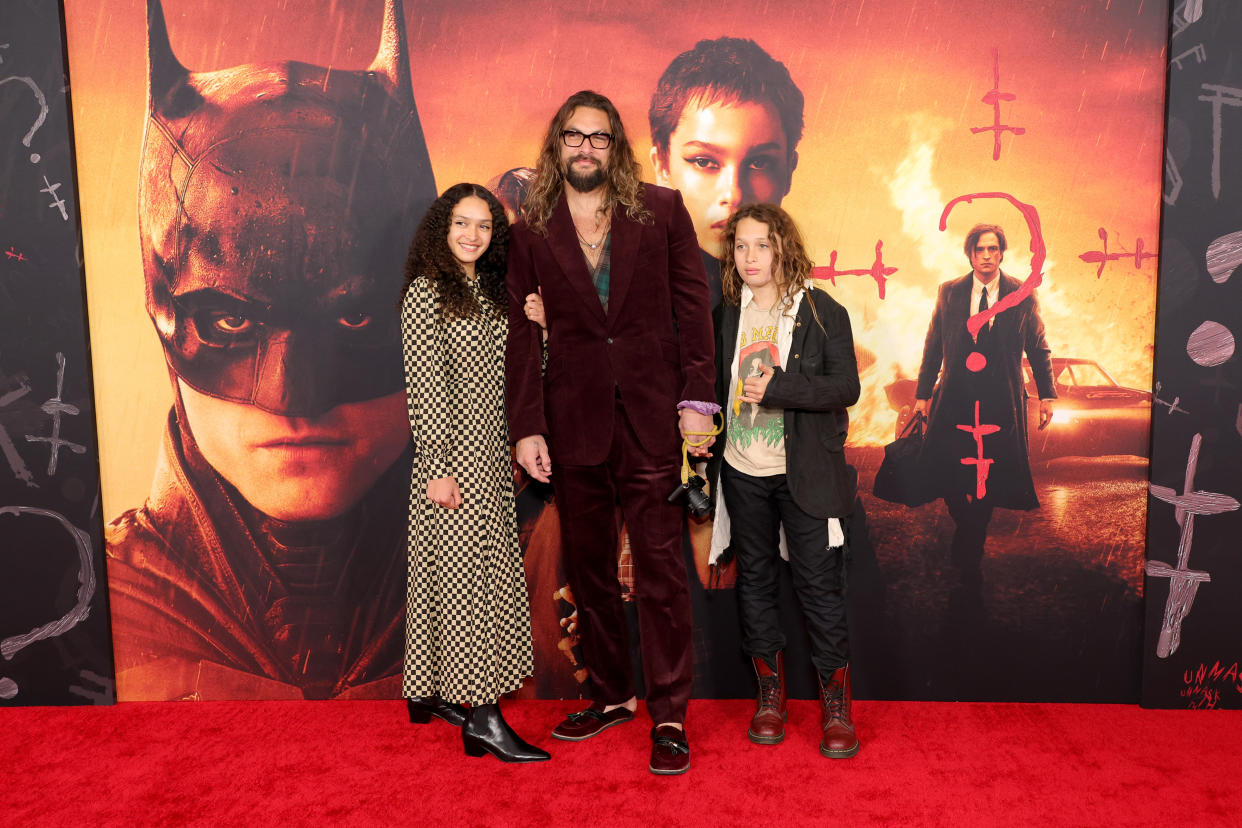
(892, 88)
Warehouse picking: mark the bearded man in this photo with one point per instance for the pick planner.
(629, 374)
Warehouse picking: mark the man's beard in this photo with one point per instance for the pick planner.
(585, 182)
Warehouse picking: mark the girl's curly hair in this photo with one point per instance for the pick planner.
(430, 257)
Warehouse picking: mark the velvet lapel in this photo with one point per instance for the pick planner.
(626, 235)
(563, 240)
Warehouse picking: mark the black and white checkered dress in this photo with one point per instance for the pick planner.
(467, 633)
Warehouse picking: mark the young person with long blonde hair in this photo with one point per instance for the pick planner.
(785, 372)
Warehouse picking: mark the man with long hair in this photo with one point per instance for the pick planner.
(629, 354)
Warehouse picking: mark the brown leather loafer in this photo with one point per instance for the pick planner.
(670, 752)
(586, 723)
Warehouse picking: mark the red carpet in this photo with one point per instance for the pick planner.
(360, 763)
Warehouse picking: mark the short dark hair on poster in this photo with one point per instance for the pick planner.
(724, 70)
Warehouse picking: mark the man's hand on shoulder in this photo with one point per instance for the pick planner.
(532, 455)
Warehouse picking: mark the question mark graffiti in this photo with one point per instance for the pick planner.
(38, 93)
(12, 645)
(977, 361)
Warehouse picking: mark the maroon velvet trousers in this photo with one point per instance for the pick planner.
(586, 497)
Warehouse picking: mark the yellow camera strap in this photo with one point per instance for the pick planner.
(686, 443)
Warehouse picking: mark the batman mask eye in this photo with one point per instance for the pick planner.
(232, 325)
(354, 321)
(225, 327)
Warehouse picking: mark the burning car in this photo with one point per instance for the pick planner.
(1093, 415)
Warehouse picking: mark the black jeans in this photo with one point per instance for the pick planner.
(758, 506)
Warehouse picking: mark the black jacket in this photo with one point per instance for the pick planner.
(818, 384)
(999, 387)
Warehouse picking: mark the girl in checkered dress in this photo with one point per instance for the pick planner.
(468, 635)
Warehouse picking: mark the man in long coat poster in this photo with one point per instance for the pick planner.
(978, 416)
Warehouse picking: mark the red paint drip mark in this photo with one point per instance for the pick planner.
(982, 464)
(993, 99)
(1103, 257)
(1039, 253)
(877, 270)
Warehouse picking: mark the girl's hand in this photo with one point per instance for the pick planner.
(533, 306)
(754, 388)
(443, 491)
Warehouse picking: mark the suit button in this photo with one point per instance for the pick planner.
(609, 340)
(797, 324)
(796, 356)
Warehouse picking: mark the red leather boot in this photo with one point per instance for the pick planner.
(767, 726)
(839, 741)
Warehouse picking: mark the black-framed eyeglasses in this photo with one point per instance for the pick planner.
(574, 138)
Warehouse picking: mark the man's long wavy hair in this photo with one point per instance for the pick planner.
(791, 267)
(430, 257)
(624, 182)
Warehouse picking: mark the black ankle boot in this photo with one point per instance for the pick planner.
(487, 731)
(422, 708)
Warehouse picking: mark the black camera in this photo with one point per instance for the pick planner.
(697, 502)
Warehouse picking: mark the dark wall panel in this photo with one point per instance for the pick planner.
(1192, 639)
(54, 631)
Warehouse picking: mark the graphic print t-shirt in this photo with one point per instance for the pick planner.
(756, 444)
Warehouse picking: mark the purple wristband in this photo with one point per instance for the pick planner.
(707, 409)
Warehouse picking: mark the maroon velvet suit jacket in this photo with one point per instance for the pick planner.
(652, 349)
